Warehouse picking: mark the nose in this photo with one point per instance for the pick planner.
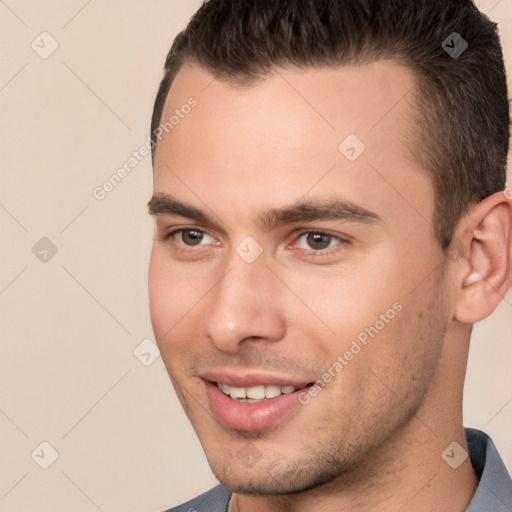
(245, 307)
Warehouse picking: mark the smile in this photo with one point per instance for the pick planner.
(255, 393)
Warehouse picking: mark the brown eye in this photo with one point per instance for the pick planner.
(191, 236)
(318, 241)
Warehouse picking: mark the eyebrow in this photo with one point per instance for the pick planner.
(164, 204)
(334, 209)
(302, 211)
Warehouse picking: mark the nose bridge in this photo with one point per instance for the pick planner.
(243, 305)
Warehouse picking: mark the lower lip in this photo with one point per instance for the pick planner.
(250, 416)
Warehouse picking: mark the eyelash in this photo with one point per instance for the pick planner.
(342, 242)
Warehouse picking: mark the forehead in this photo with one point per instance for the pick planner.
(306, 130)
(364, 94)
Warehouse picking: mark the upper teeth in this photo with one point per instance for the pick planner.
(256, 392)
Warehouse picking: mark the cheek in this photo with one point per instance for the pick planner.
(160, 295)
(401, 358)
(170, 299)
(346, 301)
(176, 299)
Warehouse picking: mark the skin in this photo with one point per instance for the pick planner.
(372, 439)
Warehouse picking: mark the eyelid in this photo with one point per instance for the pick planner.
(342, 238)
(344, 241)
(169, 233)
(183, 230)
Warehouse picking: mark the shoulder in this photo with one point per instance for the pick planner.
(214, 500)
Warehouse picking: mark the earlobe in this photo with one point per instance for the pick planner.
(486, 268)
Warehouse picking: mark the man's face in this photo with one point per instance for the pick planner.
(299, 260)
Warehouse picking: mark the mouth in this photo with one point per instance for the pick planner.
(257, 405)
(255, 394)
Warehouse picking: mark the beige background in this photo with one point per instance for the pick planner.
(70, 325)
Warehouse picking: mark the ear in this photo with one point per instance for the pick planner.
(484, 275)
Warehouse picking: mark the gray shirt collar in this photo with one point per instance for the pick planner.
(494, 492)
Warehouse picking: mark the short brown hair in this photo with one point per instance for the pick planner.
(461, 111)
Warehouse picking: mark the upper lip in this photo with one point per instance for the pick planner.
(247, 380)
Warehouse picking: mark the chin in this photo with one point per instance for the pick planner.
(260, 480)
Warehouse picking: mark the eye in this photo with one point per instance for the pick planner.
(317, 241)
(191, 237)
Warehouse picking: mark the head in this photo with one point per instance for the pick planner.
(317, 215)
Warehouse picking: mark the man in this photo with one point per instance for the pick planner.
(331, 219)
